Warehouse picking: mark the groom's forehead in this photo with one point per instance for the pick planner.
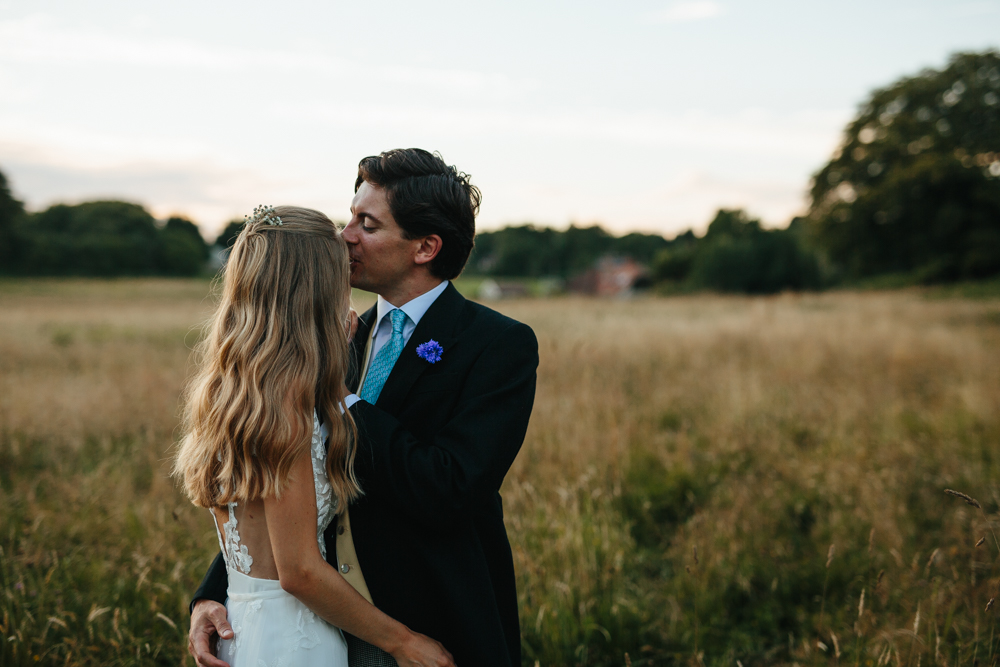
(369, 195)
(356, 200)
(372, 201)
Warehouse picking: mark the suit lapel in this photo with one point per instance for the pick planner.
(438, 323)
(358, 346)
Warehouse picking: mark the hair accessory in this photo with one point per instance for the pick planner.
(263, 214)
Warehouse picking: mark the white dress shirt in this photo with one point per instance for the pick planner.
(381, 331)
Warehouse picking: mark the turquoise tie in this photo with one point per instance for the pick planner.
(385, 359)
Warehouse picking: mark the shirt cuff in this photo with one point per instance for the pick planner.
(349, 400)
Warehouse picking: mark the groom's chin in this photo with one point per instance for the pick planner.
(357, 282)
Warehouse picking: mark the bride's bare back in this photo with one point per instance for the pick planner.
(242, 527)
(252, 527)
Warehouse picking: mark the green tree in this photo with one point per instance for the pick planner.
(11, 211)
(580, 247)
(183, 251)
(737, 255)
(673, 263)
(527, 250)
(915, 186)
(524, 250)
(227, 237)
(103, 238)
(643, 248)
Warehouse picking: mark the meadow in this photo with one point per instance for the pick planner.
(706, 480)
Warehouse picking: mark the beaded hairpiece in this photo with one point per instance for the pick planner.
(263, 214)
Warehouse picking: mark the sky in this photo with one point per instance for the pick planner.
(645, 115)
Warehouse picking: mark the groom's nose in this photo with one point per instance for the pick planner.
(350, 232)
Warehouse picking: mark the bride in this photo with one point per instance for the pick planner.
(268, 448)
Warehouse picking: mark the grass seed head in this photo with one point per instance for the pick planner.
(930, 561)
(829, 556)
(967, 498)
(989, 605)
(980, 542)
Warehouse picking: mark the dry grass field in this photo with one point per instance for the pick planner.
(705, 481)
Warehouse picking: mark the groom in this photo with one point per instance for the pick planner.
(443, 391)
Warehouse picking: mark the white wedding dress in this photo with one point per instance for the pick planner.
(272, 628)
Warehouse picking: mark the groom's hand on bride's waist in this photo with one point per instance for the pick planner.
(208, 623)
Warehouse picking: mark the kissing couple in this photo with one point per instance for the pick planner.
(352, 465)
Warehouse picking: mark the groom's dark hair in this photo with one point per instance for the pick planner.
(426, 196)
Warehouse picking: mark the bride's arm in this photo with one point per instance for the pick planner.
(302, 571)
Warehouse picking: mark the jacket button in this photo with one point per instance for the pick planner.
(345, 568)
(340, 530)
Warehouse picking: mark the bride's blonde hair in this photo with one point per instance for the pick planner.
(276, 349)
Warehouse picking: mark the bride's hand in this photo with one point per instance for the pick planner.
(421, 651)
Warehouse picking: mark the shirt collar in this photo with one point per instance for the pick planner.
(414, 308)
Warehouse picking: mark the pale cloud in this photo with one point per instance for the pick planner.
(803, 133)
(73, 147)
(213, 183)
(682, 12)
(175, 123)
(38, 39)
(971, 9)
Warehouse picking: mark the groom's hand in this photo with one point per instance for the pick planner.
(208, 623)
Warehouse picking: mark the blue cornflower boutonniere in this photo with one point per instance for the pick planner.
(430, 351)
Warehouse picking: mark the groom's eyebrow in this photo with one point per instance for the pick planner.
(366, 214)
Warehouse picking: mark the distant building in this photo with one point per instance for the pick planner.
(611, 276)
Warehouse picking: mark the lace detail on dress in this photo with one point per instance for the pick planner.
(305, 634)
(235, 554)
(326, 503)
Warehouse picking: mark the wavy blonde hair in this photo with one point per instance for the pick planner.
(276, 350)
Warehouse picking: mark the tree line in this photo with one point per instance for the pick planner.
(912, 193)
(101, 238)
(736, 254)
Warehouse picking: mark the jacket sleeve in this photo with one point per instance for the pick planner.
(462, 467)
(215, 585)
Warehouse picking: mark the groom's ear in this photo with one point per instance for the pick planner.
(428, 248)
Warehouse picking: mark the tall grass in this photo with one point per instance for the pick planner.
(689, 464)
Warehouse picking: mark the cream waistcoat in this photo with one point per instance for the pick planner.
(347, 557)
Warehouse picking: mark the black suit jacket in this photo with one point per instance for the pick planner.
(432, 454)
